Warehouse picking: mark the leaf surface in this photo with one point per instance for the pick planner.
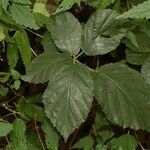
(123, 95)
(5, 128)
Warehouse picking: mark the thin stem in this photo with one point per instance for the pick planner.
(40, 140)
(34, 33)
(33, 52)
(76, 57)
(8, 142)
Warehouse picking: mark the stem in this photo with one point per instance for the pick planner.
(34, 33)
(40, 140)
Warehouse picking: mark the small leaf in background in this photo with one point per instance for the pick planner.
(124, 142)
(136, 58)
(18, 138)
(33, 141)
(4, 76)
(15, 74)
(22, 15)
(97, 37)
(85, 143)
(3, 91)
(41, 9)
(123, 95)
(2, 34)
(5, 4)
(48, 43)
(5, 128)
(17, 84)
(12, 55)
(69, 39)
(65, 5)
(51, 136)
(23, 44)
(140, 11)
(29, 110)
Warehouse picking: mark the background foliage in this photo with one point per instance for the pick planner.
(74, 74)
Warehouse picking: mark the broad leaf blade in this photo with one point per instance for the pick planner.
(42, 66)
(123, 96)
(69, 39)
(98, 36)
(68, 97)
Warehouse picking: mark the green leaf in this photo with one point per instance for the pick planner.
(41, 9)
(65, 5)
(17, 84)
(5, 128)
(52, 60)
(141, 42)
(146, 70)
(30, 111)
(12, 55)
(140, 11)
(51, 136)
(2, 34)
(18, 137)
(124, 142)
(123, 95)
(136, 58)
(5, 4)
(23, 44)
(69, 39)
(99, 36)
(3, 91)
(104, 3)
(27, 2)
(23, 16)
(15, 74)
(48, 43)
(85, 143)
(70, 92)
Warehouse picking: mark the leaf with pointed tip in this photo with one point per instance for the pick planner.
(98, 36)
(123, 95)
(69, 39)
(70, 92)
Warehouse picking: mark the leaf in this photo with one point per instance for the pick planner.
(48, 43)
(52, 60)
(23, 44)
(2, 34)
(140, 11)
(85, 143)
(65, 5)
(146, 70)
(23, 16)
(51, 136)
(12, 55)
(26, 2)
(41, 9)
(124, 142)
(123, 95)
(5, 4)
(136, 58)
(97, 39)
(70, 92)
(18, 137)
(69, 39)
(30, 111)
(142, 42)
(5, 128)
